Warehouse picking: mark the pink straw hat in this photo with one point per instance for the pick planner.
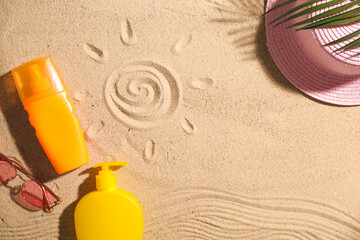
(318, 71)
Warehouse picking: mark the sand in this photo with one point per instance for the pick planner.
(220, 145)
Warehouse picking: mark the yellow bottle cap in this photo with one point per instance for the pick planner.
(37, 79)
(106, 179)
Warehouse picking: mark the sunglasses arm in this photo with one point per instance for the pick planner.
(46, 200)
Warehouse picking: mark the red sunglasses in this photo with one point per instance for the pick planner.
(33, 191)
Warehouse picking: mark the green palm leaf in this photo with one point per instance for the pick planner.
(341, 21)
(295, 9)
(325, 20)
(312, 10)
(347, 37)
(350, 45)
(281, 5)
(332, 17)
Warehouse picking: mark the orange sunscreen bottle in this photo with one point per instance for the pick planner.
(51, 113)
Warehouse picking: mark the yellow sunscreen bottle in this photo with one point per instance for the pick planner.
(108, 213)
(51, 113)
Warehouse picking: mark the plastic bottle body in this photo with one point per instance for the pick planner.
(58, 131)
(51, 113)
(108, 215)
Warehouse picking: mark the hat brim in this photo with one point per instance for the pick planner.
(308, 65)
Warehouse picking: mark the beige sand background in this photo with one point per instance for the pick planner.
(219, 144)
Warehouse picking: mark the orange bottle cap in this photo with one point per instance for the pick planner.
(37, 79)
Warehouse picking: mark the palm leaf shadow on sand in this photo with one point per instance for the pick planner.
(242, 18)
(246, 24)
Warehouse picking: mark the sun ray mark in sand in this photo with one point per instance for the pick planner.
(202, 83)
(203, 213)
(93, 130)
(127, 35)
(181, 44)
(98, 55)
(188, 127)
(244, 17)
(186, 39)
(142, 94)
(80, 95)
(149, 151)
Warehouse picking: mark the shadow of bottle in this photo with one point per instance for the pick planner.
(67, 224)
(22, 132)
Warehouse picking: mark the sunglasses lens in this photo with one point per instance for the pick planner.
(32, 193)
(7, 171)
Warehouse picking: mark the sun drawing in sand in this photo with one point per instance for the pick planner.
(141, 94)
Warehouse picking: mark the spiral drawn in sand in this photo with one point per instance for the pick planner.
(329, 34)
(141, 94)
(201, 213)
